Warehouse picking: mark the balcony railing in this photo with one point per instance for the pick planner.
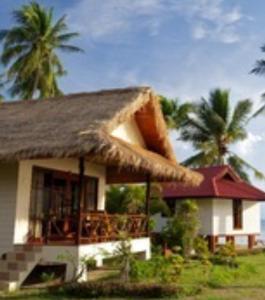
(96, 227)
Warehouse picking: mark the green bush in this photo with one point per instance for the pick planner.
(159, 269)
(201, 249)
(226, 255)
(219, 277)
(182, 229)
(118, 289)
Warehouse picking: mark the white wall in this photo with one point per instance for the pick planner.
(223, 217)
(96, 251)
(205, 214)
(129, 132)
(8, 188)
(24, 188)
(216, 218)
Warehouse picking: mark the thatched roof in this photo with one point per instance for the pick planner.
(81, 125)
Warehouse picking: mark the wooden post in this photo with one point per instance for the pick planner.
(230, 239)
(212, 242)
(147, 203)
(81, 167)
(251, 241)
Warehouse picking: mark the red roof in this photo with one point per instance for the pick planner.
(218, 182)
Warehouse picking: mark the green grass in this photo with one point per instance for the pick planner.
(216, 283)
(222, 283)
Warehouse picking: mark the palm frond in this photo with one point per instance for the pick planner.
(238, 167)
(259, 68)
(219, 102)
(69, 48)
(258, 174)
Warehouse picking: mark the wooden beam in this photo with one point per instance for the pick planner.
(81, 185)
(251, 241)
(147, 203)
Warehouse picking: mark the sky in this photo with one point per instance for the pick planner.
(181, 48)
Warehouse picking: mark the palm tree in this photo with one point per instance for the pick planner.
(174, 112)
(259, 68)
(29, 51)
(212, 130)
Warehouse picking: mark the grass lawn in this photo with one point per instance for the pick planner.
(222, 283)
(217, 283)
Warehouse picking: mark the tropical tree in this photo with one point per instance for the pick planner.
(174, 112)
(30, 51)
(132, 198)
(213, 128)
(259, 67)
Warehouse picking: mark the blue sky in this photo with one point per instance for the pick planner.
(182, 48)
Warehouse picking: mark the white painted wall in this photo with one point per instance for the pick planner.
(223, 217)
(216, 218)
(129, 132)
(25, 181)
(97, 251)
(206, 216)
(8, 188)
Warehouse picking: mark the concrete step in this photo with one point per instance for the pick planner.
(10, 275)
(8, 286)
(21, 256)
(27, 248)
(17, 265)
(12, 265)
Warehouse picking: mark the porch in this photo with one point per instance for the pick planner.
(66, 209)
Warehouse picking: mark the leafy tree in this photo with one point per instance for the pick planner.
(182, 229)
(213, 128)
(132, 198)
(30, 51)
(175, 113)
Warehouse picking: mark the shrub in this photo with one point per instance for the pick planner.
(226, 255)
(201, 249)
(182, 229)
(90, 263)
(159, 268)
(118, 289)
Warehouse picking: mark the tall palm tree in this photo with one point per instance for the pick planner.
(259, 68)
(29, 51)
(212, 130)
(174, 112)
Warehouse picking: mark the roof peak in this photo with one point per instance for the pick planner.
(123, 90)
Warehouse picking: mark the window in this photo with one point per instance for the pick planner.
(91, 194)
(238, 213)
(56, 193)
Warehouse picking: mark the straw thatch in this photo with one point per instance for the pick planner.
(81, 125)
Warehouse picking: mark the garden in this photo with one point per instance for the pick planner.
(181, 267)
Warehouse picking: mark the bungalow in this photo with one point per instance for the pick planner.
(229, 208)
(57, 157)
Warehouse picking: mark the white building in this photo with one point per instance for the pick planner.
(56, 158)
(229, 208)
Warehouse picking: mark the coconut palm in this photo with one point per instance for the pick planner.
(213, 128)
(174, 112)
(259, 67)
(30, 51)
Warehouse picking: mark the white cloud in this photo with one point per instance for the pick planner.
(210, 19)
(207, 18)
(199, 31)
(248, 146)
(105, 17)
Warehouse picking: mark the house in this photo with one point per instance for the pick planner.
(57, 157)
(229, 208)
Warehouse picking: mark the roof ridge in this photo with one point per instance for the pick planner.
(79, 94)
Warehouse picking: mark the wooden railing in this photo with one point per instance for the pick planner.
(96, 227)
